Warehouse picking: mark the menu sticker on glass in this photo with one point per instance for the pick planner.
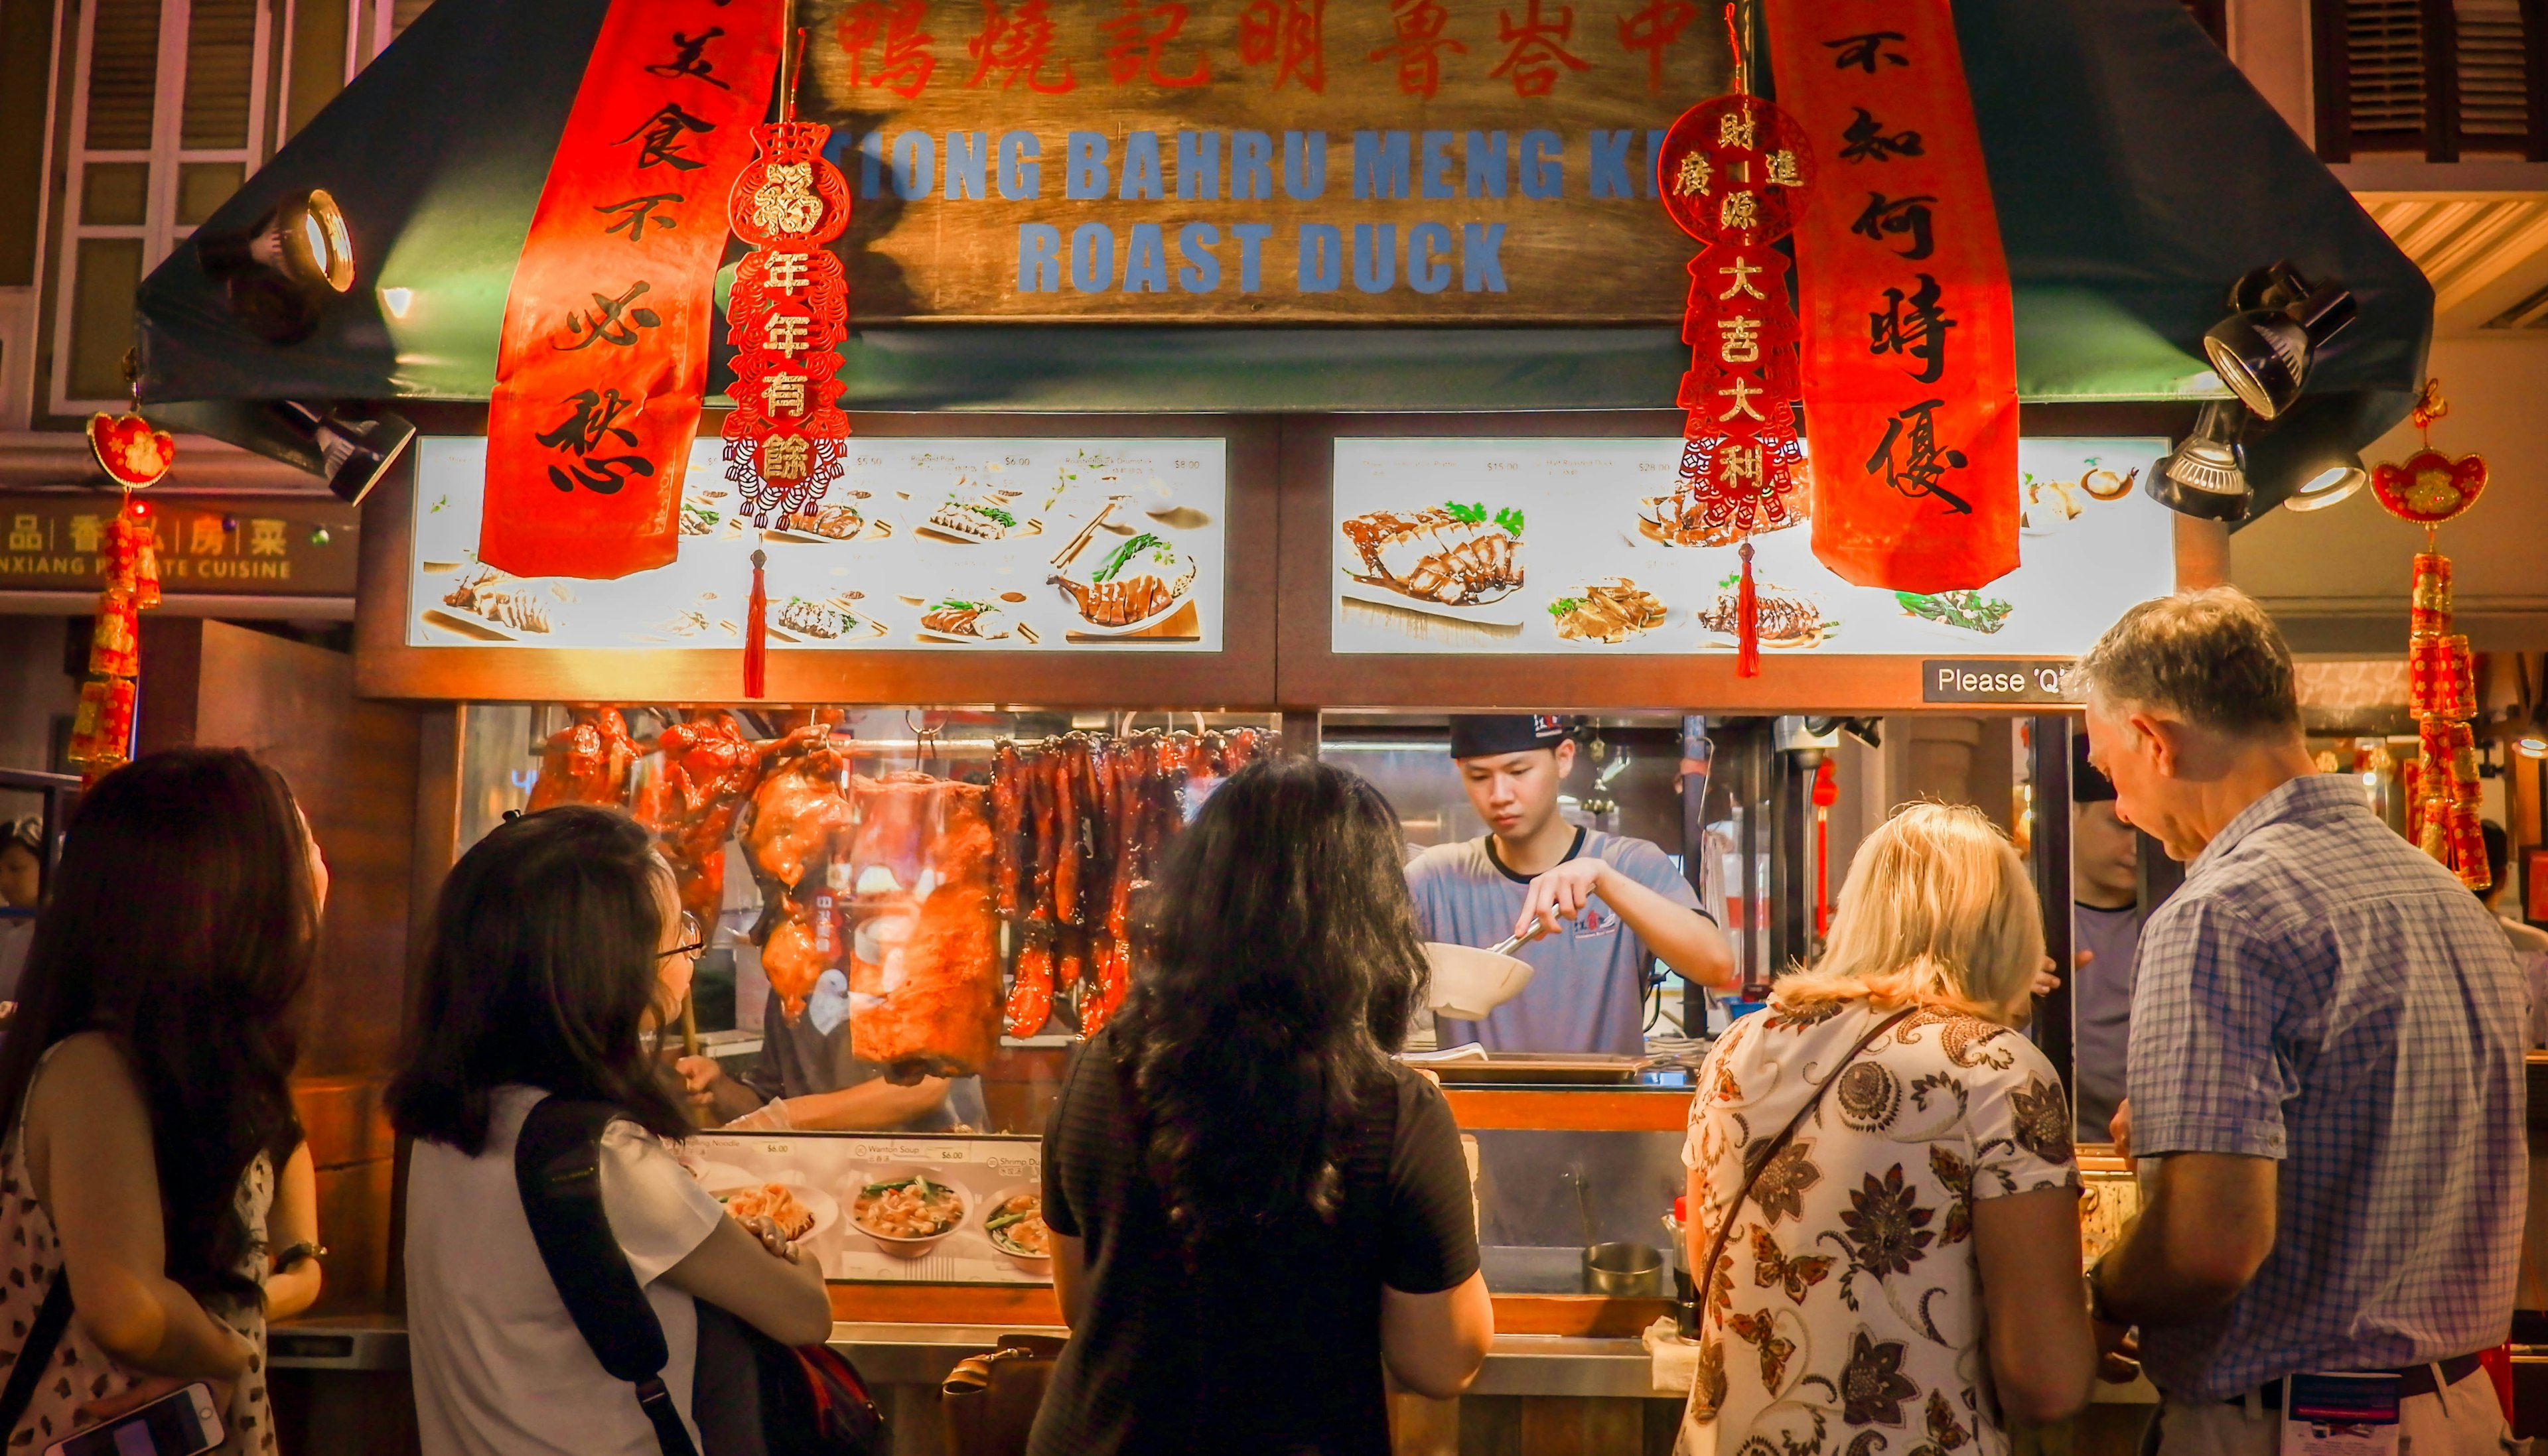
(1560, 546)
(956, 545)
(935, 1209)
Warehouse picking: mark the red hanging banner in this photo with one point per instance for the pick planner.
(1910, 368)
(604, 355)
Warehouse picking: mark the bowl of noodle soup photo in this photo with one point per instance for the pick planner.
(906, 1210)
(1013, 1220)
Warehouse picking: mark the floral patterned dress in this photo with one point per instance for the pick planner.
(31, 1255)
(1845, 1317)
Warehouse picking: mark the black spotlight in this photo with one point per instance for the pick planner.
(2262, 352)
(280, 271)
(1868, 731)
(2207, 475)
(353, 453)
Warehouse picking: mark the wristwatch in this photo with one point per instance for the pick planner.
(2097, 1309)
(308, 1248)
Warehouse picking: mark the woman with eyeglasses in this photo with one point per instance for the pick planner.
(558, 944)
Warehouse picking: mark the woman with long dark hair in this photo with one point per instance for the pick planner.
(1255, 1208)
(145, 1084)
(558, 942)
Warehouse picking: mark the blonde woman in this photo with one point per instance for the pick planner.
(1891, 1161)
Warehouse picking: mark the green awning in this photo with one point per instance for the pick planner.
(2135, 173)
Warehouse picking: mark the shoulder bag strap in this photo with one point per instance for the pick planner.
(43, 1338)
(1755, 1166)
(557, 1166)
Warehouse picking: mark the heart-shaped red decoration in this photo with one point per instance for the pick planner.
(129, 450)
(2429, 487)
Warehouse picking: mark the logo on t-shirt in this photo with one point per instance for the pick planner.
(1594, 923)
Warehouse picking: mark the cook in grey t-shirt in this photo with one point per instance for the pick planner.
(2101, 1013)
(813, 1055)
(1589, 992)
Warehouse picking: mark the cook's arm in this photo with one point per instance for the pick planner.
(875, 1105)
(1685, 940)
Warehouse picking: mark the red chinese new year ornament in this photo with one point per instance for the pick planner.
(131, 453)
(2428, 489)
(102, 729)
(787, 315)
(1732, 173)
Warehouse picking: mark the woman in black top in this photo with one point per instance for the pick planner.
(1254, 1206)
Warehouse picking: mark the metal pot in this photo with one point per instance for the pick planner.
(1627, 1269)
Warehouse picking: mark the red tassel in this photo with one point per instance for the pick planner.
(1746, 623)
(755, 634)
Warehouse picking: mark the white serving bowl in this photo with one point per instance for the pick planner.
(1037, 1264)
(902, 1247)
(1469, 982)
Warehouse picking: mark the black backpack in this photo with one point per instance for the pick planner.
(751, 1395)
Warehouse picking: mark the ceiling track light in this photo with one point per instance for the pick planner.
(2264, 349)
(2207, 475)
(2336, 483)
(355, 452)
(280, 271)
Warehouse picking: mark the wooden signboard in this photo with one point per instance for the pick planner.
(260, 545)
(1267, 160)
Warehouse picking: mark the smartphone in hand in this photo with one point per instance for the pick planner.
(182, 1422)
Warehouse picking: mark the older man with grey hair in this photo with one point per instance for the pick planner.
(2326, 1083)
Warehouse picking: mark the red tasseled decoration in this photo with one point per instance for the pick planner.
(755, 634)
(1746, 623)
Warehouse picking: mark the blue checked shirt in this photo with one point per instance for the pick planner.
(2323, 994)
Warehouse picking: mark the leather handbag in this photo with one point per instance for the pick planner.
(751, 1395)
(989, 1401)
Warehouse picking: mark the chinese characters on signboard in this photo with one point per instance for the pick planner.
(51, 543)
(1258, 158)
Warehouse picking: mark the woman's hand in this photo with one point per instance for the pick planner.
(145, 1391)
(774, 1238)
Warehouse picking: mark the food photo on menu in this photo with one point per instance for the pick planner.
(922, 1209)
(1448, 546)
(923, 544)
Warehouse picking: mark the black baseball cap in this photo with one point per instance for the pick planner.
(1478, 735)
(2087, 784)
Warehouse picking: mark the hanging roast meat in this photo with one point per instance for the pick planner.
(928, 1003)
(586, 762)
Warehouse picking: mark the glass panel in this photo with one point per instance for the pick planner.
(116, 194)
(110, 269)
(123, 74)
(203, 186)
(221, 68)
(842, 865)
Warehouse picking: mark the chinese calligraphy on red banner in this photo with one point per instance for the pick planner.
(603, 358)
(1910, 380)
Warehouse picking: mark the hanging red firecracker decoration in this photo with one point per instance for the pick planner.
(2428, 489)
(102, 730)
(787, 315)
(1732, 173)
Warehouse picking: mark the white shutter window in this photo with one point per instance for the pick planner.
(2494, 81)
(170, 100)
(2383, 56)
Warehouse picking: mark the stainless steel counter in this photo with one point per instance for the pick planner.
(922, 1354)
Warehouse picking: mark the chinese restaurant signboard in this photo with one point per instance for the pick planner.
(1280, 161)
(253, 546)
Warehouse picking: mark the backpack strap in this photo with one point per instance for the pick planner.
(43, 1338)
(557, 1166)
